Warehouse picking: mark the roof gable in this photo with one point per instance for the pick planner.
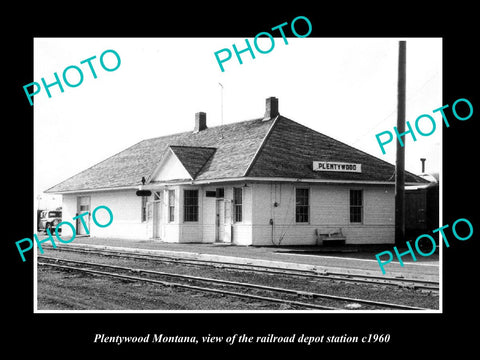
(193, 158)
(170, 168)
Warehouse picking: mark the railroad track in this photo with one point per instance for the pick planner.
(263, 293)
(311, 274)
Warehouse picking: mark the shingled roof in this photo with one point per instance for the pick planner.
(291, 149)
(235, 146)
(277, 148)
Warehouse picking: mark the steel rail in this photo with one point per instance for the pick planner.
(191, 287)
(363, 278)
(242, 284)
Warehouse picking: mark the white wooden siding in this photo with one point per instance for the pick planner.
(126, 209)
(329, 209)
(69, 211)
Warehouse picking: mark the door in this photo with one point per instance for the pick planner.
(158, 218)
(228, 220)
(83, 205)
(220, 221)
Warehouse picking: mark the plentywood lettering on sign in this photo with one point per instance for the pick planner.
(336, 166)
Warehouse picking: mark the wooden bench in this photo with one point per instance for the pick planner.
(334, 236)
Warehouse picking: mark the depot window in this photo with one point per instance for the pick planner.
(190, 205)
(171, 205)
(356, 206)
(237, 204)
(302, 205)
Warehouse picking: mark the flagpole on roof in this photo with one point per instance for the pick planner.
(221, 103)
(221, 108)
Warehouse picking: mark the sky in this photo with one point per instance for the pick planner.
(345, 88)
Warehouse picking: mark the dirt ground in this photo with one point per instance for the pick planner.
(61, 290)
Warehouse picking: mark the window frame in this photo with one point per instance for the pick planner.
(303, 206)
(355, 208)
(237, 207)
(190, 209)
(171, 205)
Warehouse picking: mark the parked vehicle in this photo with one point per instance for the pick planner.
(49, 219)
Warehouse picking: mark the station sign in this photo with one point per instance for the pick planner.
(336, 166)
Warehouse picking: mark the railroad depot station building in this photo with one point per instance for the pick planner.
(268, 181)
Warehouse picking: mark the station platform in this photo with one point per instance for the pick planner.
(344, 259)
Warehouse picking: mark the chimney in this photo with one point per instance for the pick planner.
(200, 122)
(423, 164)
(271, 108)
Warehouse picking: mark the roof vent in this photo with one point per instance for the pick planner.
(200, 122)
(271, 108)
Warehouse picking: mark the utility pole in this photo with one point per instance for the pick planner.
(400, 163)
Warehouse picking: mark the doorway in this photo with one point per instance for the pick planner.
(83, 205)
(223, 228)
(220, 221)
